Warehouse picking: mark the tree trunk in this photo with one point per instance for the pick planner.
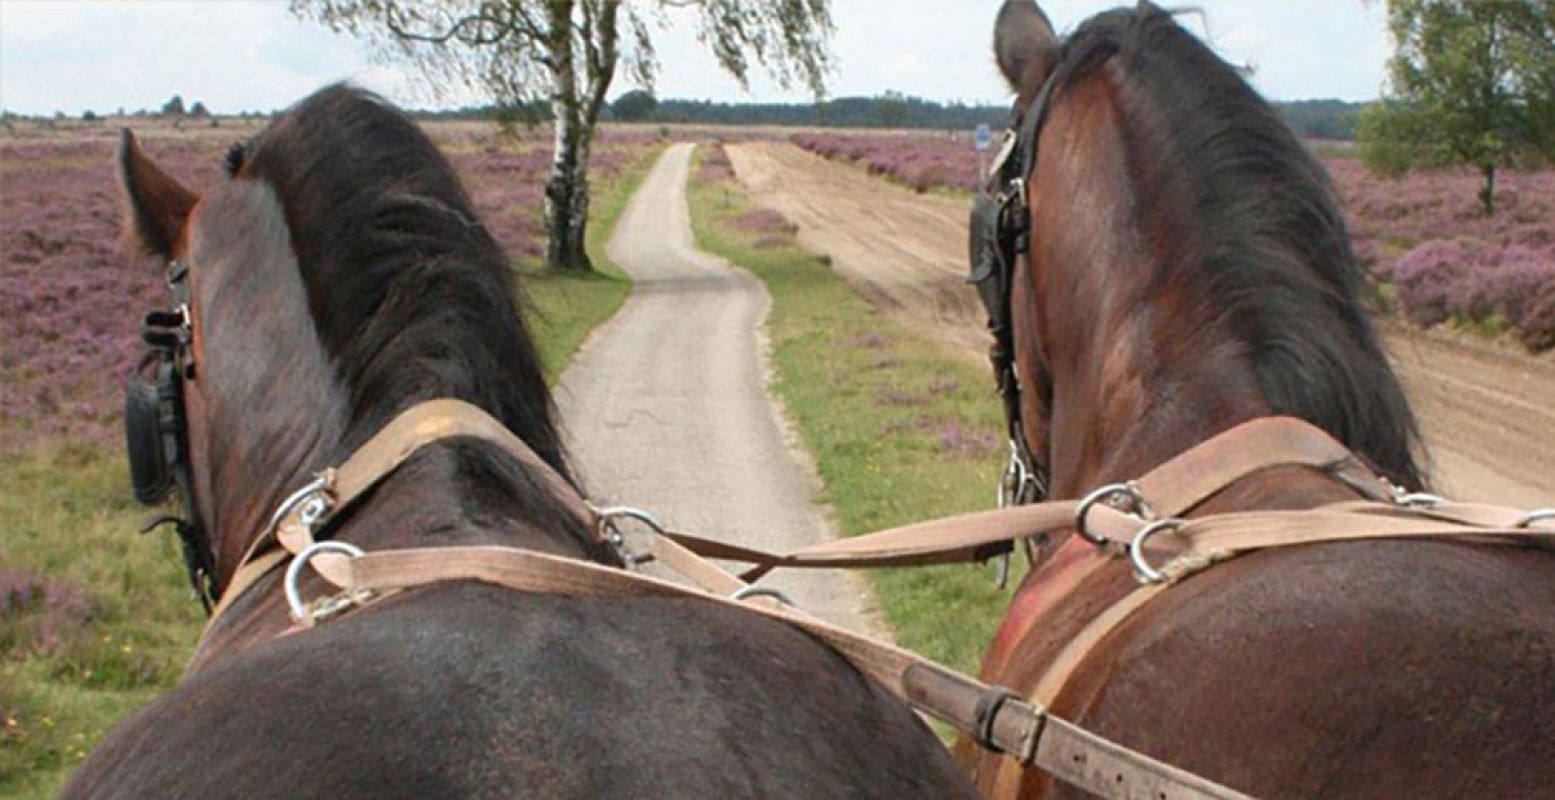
(567, 197)
(567, 190)
(1487, 191)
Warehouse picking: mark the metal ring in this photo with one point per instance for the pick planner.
(1105, 492)
(294, 571)
(762, 591)
(1536, 515)
(611, 512)
(1136, 549)
(1419, 500)
(316, 487)
(612, 535)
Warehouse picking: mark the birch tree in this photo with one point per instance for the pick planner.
(558, 58)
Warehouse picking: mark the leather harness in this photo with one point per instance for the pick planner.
(995, 717)
(1000, 235)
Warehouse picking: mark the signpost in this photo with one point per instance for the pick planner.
(982, 137)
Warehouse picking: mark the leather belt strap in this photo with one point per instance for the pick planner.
(1171, 489)
(1018, 728)
(1001, 722)
(419, 426)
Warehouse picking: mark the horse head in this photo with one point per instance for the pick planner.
(336, 277)
(1188, 267)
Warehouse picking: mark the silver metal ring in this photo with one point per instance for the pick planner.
(1136, 549)
(1419, 500)
(612, 512)
(1139, 508)
(612, 535)
(762, 591)
(294, 571)
(1536, 515)
(313, 514)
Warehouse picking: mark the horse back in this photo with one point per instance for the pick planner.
(1364, 669)
(472, 691)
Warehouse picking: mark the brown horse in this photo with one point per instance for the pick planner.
(1189, 270)
(337, 278)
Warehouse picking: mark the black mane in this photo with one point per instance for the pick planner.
(412, 298)
(1267, 237)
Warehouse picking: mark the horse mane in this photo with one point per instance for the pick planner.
(1269, 240)
(411, 297)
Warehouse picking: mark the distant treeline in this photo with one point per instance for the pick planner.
(1315, 119)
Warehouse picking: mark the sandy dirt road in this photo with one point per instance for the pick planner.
(666, 407)
(1488, 413)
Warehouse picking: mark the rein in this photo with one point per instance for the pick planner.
(1120, 520)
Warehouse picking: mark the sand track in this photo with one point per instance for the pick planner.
(1488, 412)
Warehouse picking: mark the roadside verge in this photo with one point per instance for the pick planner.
(901, 429)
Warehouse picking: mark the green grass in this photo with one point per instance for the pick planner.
(66, 513)
(901, 430)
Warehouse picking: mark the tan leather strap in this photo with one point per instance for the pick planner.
(1210, 540)
(1005, 723)
(426, 423)
(1013, 726)
(1171, 489)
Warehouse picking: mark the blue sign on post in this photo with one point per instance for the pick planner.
(982, 137)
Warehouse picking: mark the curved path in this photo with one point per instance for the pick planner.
(1487, 413)
(666, 409)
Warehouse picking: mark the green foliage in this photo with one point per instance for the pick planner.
(174, 107)
(1472, 82)
(634, 106)
(70, 668)
(1322, 119)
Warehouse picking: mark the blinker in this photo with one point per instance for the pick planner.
(156, 430)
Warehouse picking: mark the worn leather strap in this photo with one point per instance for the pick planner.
(1174, 488)
(1017, 728)
(1204, 542)
(426, 423)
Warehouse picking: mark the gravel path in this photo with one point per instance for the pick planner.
(1487, 411)
(666, 406)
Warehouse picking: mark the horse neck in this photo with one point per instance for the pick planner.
(467, 493)
(268, 409)
(1140, 367)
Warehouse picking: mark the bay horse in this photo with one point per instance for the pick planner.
(1189, 270)
(338, 276)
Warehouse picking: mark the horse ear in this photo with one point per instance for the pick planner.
(1023, 42)
(156, 205)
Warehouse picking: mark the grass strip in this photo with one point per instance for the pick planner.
(901, 430)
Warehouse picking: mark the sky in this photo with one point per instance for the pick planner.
(240, 55)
